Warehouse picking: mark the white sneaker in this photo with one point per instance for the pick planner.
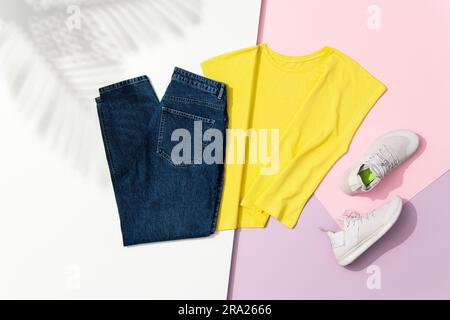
(360, 232)
(385, 154)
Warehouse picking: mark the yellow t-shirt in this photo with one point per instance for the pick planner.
(312, 104)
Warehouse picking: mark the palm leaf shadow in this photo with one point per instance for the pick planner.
(54, 71)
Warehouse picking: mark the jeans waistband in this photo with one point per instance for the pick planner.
(214, 87)
(123, 83)
(120, 85)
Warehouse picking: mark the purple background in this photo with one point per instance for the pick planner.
(413, 257)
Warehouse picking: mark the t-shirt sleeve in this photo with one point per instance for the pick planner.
(218, 68)
(360, 92)
(227, 67)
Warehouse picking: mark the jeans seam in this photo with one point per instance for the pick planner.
(122, 84)
(161, 130)
(190, 82)
(188, 74)
(218, 199)
(188, 115)
(203, 103)
(220, 185)
(107, 142)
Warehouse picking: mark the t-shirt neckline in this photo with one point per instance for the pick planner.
(276, 57)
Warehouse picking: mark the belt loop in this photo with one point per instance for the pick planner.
(222, 89)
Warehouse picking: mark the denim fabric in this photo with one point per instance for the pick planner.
(160, 199)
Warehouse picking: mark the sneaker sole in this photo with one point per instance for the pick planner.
(353, 254)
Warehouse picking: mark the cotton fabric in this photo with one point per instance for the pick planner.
(316, 101)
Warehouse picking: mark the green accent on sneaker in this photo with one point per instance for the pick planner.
(367, 176)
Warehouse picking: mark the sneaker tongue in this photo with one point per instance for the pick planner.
(355, 182)
(377, 171)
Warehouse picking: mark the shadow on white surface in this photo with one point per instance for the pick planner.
(59, 225)
(54, 55)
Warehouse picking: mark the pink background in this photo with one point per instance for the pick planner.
(410, 53)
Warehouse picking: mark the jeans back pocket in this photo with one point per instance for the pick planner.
(180, 139)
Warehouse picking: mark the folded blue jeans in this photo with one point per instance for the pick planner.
(160, 197)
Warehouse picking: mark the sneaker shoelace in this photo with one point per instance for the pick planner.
(351, 217)
(383, 161)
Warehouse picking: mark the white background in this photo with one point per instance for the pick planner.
(59, 225)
